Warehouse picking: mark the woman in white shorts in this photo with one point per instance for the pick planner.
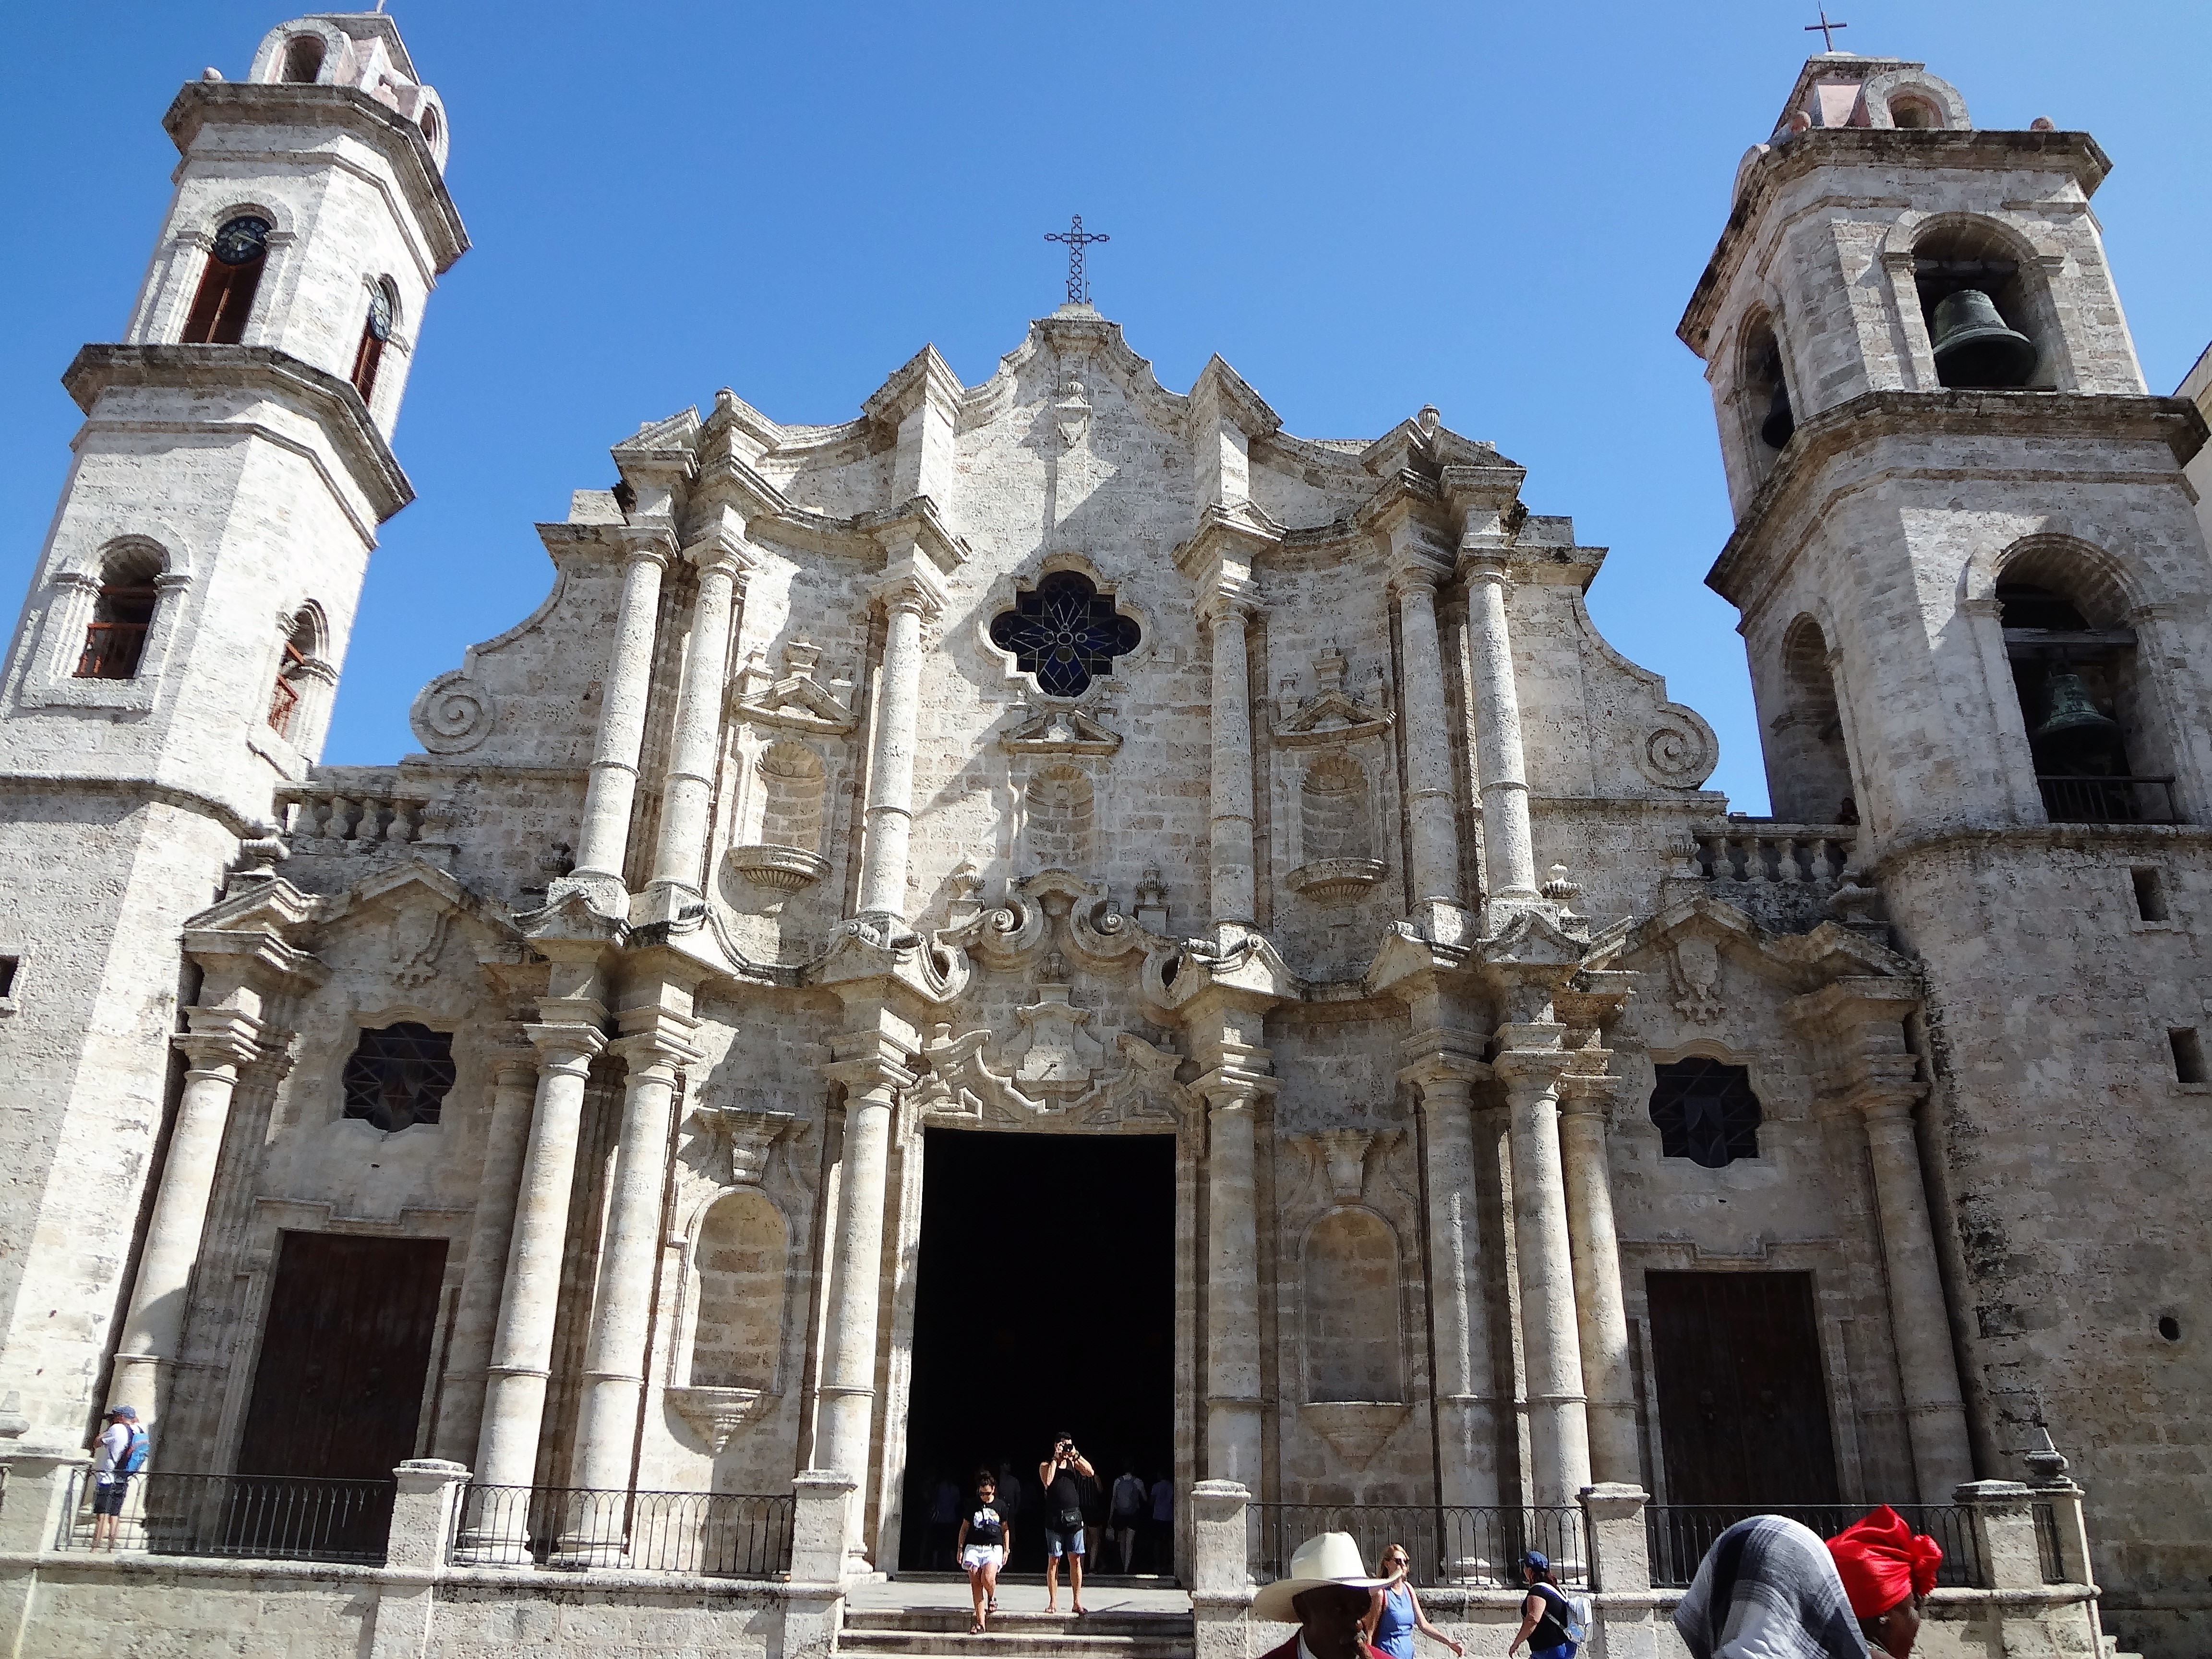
(986, 1537)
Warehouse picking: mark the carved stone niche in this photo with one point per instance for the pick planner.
(1332, 766)
(1355, 1429)
(717, 1411)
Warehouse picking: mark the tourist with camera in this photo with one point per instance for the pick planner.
(1062, 1476)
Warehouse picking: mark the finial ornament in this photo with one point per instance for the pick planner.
(1078, 238)
(1826, 30)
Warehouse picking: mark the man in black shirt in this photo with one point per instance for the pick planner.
(1062, 1476)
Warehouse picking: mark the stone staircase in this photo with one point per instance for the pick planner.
(883, 1633)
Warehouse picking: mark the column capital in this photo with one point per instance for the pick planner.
(565, 1047)
(1886, 1105)
(870, 1074)
(1415, 575)
(1231, 1087)
(656, 1050)
(1588, 1093)
(719, 546)
(1230, 597)
(1443, 1074)
(221, 1037)
(908, 587)
(511, 1058)
(645, 545)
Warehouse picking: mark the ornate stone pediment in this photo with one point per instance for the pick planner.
(1061, 732)
(1332, 715)
(797, 702)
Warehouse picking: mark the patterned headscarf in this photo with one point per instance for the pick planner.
(1882, 1560)
(1768, 1589)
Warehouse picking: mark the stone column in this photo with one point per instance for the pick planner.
(1433, 813)
(614, 1355)
(425, 1503)
(515, 1078)
(221, 1042)
(681, 853)
(1221, 1569)
(1509, 846)
(847, 1393)
(604, 840)
(1558, 1433)
(1232, 1285)
(907, 600)
(1934, 1414)
(1596, 1248)
(1459, 1311)
(522, 1347)
(1231, 872)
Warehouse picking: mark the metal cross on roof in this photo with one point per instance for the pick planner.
(1077, 238)
(1828, 30)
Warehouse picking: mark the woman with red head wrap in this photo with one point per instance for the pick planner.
(1887, 1568)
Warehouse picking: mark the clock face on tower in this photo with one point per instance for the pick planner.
(241, 240)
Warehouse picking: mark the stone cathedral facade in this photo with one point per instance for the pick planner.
(1064, 755)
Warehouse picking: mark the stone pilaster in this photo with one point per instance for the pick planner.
(1856, 1028)
(1432, 809)
(491, 1230)
(1529, 1060)
(846, 1392)
(522, 1345)
(723, 559)
(603, 843)
(655, 1047)
(220, 1044)
(1585, 1103)
(910, 595)
(1226, 614)
(1459, 1307)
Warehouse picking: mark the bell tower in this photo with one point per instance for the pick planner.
(175, 661)
(1978, 606)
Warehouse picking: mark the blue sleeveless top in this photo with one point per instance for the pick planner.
(1394, 1630)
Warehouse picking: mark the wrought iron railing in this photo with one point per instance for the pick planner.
(112, 651)
(266, 1517)
(710, 1533)
(1680, 1534)
(1449, 1544)
(2108, 800)
(2046, 1544)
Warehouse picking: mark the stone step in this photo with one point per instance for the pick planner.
(1002, 1643)
(1121, 1625)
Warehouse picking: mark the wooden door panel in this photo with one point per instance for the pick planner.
(338, 1390)
(1743, 1399)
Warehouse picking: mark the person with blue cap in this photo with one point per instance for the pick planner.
(1545, 1613)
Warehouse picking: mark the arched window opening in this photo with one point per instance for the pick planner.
(1705, 1112)
(1061, 805)
(1352, 1350)
(226, 286)
(303, 59)
(1765, 398)
(294, 673)
(1810, 768)
(1984, 322)
(791, 789)
(375, 330)
(2081, 704)
(430, 125)
(737, 1265)
(1065, 632)
(1334, 822)
(399, 1076)
(1913, 112)
(122, 615)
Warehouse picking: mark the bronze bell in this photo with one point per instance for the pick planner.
(2074, 727)
(1973, 347)
(1774, 431)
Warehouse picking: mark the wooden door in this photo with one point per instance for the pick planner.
(1743, 1403)
(344, 1357)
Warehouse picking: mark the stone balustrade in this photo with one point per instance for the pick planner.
(328, 821)
(1760, 850)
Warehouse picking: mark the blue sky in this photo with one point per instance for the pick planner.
(1498, 209)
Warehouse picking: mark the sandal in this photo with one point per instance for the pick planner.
(991, 1605)
(975, 1627)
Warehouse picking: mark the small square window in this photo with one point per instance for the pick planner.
(398, 1076)
(1705, 1112)
(2188, 1054)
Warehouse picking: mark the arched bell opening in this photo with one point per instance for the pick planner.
(1809, 768)
(1988, 312)
(1766, 418)
(2096, 743)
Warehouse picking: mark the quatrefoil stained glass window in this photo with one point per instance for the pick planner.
(1064, 632)
(1705, 1112)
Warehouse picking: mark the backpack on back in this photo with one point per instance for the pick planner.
(1578, 1618)
(134, 1455)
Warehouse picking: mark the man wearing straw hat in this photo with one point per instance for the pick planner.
(1326, 1592)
